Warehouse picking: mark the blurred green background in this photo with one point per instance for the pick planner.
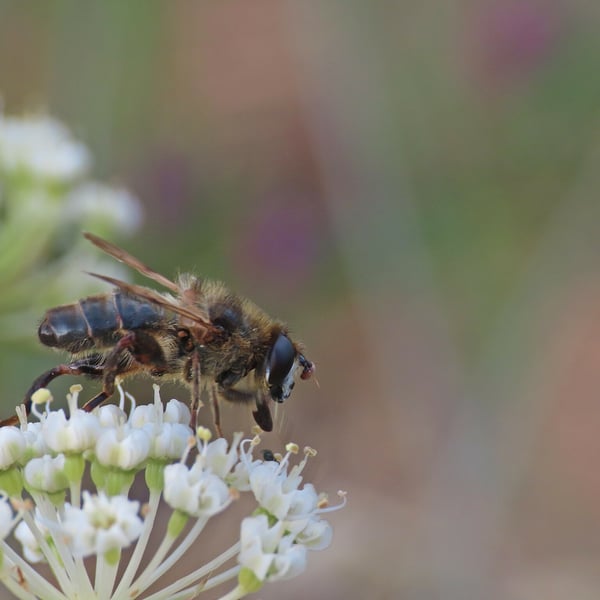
(414, 188)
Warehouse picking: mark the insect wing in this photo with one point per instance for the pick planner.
(124, 257)
(195, 315)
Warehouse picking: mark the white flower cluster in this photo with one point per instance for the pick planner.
(42, 146)
(43, 465)
(46, 200)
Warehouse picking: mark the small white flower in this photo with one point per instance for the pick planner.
(36, 445)
(289, 561)
(126, 448)
(177, 412)
(268, 552)
(303, 502)
(31, 547)
(42, 146)
(220, 457)
(110, 416)
(239, 478)
(144, 414)
(46, 473)
(155, 413)
(102, 524)
(316, 535)
(277, 491)
(195, 491)
(169, 440)
(77, 433)
(12, 446)
(266, 482)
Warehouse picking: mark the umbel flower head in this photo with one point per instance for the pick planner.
(54, 520)
(46, 199)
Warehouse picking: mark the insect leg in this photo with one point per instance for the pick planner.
(110, 371)
(192, 376)
(195, 403)
(85, 366)
(262, 414)
(216, 410)
(145, 351)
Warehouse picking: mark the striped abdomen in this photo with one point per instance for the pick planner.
(94, 322)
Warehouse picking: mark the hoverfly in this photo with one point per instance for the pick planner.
(215, 341)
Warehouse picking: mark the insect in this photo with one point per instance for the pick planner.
(269, 456)
(218, 343)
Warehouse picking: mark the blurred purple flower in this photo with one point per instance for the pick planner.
(280, 244)
(514, 38)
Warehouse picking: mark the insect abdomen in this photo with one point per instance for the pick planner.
(94, 322)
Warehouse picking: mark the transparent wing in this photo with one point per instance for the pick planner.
(131, 261)
(190, 312)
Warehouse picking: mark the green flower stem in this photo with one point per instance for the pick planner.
(38, 586)
(80, 566)
(17, 590)
(249, 581)
(118, 481)
(157, 567)
(175, 588)
(106, 571)
(140, 547)
(98, 473)
(235, 594)
(147, 577)
(75, 493)
(74, 467)
(11, 481)
(57, 498)
(216, 562)
(177, 522)
(59, 557)
(155, 474)
(53, 560)
(223, 577)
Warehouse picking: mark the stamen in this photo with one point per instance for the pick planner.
(131, 401)
(292, 448)
(41, 396)
(121, 394)
(22, 415)
(343, 501)
(191, 443)
(310, 452)
(73, 397)
(204, 434)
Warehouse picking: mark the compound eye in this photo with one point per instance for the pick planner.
(281, 361)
